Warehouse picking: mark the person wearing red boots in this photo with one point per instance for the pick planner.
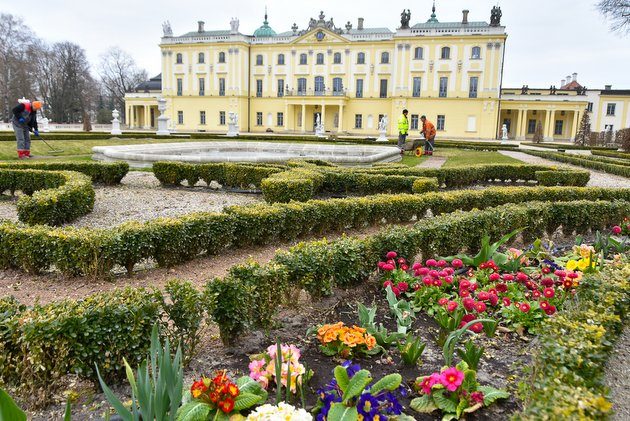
(24, 121)
(428, 130)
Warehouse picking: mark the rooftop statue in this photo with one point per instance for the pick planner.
(166, 29)
(405, 18)
(495, 16)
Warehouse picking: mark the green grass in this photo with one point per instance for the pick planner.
(462, 158)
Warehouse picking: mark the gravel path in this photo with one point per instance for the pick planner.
(598, 178)
(139, 197)
(432, 162)
(617, 377)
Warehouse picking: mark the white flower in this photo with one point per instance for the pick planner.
(282, 412)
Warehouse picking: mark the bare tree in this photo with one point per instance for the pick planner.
(119, 74)
(618, 12)
(18, 47)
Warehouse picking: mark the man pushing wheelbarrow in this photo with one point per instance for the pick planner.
(24, 121)
(428, 131)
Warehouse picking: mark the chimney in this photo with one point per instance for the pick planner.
(200, 29)
(360, 25)
(574, 77)
(607, 87)
(563, 82)
(465, 16)
(568, 79)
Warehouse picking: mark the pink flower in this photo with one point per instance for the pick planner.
(423, 271)
(480, 306)
(401, 260)
(443, 301)
(388, 283)
(437, 282)
(404, 267)
(483, 296)
(506, 301)
(442, 263)
(380, 265)
(451, 306)
(524, 307)
(457, 263)
(536, 294)
(464, 284)
(560, 273)
(474, 286)
(494, 299)
(468, 303)
(549, 292)
(427, 281)
(508, 277)
(477, 327)
(434, 274)
(416, 266)
(521, 277)
(388, 267)
(416, 286)
(448, 279)
(547, 282)
(392, 255)
(431, 263)
(616, 229)
(396, 291)
(464, 293)
(494, 277)
(467, 318)
(449, 271)
(550, 311)
(501, 287)
(403, 286)
(428, 382)
(476, 397)
(452, 378)
(442, 273)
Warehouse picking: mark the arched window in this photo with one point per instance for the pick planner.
(361, 58)
(202, 58)
(337, 58)
(179, 58)
(418, 53)
(446, 53)
(221, 57)
(302, 86)
(259, 60)
(319, 85)
(337, 86)
(476, 53)
(384, 57)
(320, 58)
(303, 59)
(280, 58)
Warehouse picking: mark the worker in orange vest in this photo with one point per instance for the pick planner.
(24, 121)
(428, 131)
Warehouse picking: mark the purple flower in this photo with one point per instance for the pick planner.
(368, 406)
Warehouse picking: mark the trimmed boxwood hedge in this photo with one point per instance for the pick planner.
(569, 146)
(100, 172)
(565, 376)
(170, 241)
(617, 169)
(50, 197)
(612, 154)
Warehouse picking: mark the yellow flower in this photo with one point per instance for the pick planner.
(583, 264)
(572, 264)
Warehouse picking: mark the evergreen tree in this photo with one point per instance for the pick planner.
(538, 135)
(584, 132)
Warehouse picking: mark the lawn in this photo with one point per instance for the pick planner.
(462, 157)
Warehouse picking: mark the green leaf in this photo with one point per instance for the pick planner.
(444, 403)
(248, 385)
(67, 416)
(120, 409)
(246, 400)
(490, 394)
(9, 411)
(423, 404)
(470, 380)
(357, 384)
(340, 412)
(389, 382)
(463, 404)
(341, 375)
(194, 411)
(449, 417)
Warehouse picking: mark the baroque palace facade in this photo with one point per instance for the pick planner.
(350, 78)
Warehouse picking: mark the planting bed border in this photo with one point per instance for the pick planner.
(583, 161)
(569, 146)
(106, 173)
(612, 154)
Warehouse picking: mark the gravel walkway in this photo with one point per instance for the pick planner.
(617, 377)
(432, 162)
(598, 178)
(139, 197)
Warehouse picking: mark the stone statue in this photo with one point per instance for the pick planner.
(348, 27)
(524, 90)
(166, 29)
(504, 132)
(495, 16)
(232, 124)
(319, 127)
(552, 90)
(162, 119)
(234, 23)
(382, 128)
(294, 28)
(115, 123)
(405, 18)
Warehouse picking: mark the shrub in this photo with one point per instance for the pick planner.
(584, 161)
(298, 184)
(100, 172)
(423, 185)
(563, 178)
(612, 154)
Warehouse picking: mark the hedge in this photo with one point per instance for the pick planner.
(563, 178)
(100, 172)
(569, 146)
(225, 173)
(612, 154)
(169, 241)
(6, 137)
(622, 170)
(605, 159)
(565, 378)
(50, 197)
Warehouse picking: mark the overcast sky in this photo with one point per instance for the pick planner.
(548, 39)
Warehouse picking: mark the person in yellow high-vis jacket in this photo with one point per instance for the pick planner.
(403, 130)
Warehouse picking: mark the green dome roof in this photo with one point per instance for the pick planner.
(265, 30)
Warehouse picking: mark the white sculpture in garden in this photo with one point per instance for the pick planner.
(232, 124)
(115, 123)
(382, 128)
(162, 119)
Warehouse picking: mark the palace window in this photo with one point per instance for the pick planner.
(441, 122)
(414, 122)
(280, 120)
(202, 117)
(259, 87)
(610, 109)
(443, 87)
(337, 86)
(180, 86)
(302, 86)
(417, 86)
(179, 59)
(418, 53)
(384, 57)
(319, 85)
(221, 118)
(337, 58)
(221, 57)
(476, 53)
(383, 92)
(259, 60)
(558, 128)
(531, 127)
(202, 86)
(361, 58)
(589, 107)
(280, 59)
(180, 117)
(259, 119)
(303, 59)
(221, 86)
(446, 53)
(320, 58)
(472, 88)
(358, 121)
(280, 88)
(359, 88)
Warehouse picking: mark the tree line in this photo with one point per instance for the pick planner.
(61, 76)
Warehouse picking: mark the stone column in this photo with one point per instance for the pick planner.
(576, 121)
(522, 125)
(340, 127)
(147, 117)
(552, 124)
(285, 122)
(546, 125)
(324, 116)
(303, 118)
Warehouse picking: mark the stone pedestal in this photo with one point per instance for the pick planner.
(382, 137)
(319, 127)
(45, 126)
(382, 129)
(233, 130)
(115, 123)
(162, 119)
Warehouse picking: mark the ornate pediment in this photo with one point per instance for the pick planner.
(319, 35)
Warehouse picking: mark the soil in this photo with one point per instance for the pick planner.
(501, 365)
